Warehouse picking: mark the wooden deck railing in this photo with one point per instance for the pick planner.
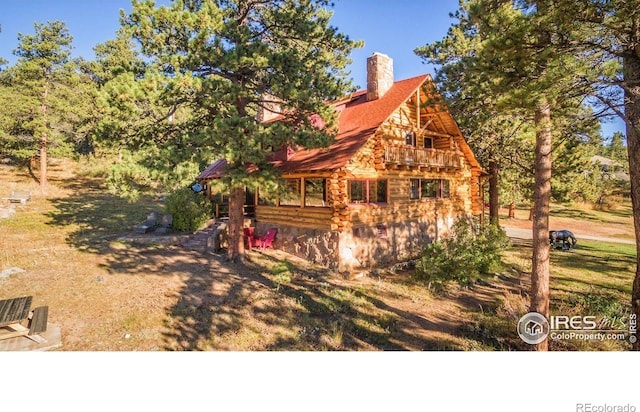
(415, 156)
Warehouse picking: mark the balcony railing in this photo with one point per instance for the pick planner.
(415, 156)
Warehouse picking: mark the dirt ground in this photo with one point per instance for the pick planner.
(112, 295)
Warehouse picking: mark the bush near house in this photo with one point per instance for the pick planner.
(471, 251)
(190, 210)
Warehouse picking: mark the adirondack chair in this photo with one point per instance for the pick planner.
(150, 223)
(165, 224)
(267, 240)
(250, 238)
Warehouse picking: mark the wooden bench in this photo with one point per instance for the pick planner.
(21, 196)
(13, 312)
(38, 321)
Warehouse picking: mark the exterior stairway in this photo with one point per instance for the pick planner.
(198, 240)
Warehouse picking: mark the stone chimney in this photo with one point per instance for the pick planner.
(379, 75)
(269, 109)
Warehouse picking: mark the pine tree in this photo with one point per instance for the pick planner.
(510, 57)
(223, 61)
(618, 25)
(43, 63)
(609, 42)
(617, 149)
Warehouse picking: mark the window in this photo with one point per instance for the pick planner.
(291, 195)
(410, 139)
(428, 143)
(429, 189)
(446, 191)
(415, 189)
(367, 191)
(357, 191)
(315, 192)
(265, 198)
(381, 191)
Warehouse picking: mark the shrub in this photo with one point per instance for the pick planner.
(190, 210)
(470, 251)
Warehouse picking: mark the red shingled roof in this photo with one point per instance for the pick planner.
(216, 170)
(358, 121)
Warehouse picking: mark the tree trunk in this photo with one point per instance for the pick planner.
(494, 201)
(43, 139)
(542, 198)
(235, 250)
(631, 68)
(512, 210)
(43, 161)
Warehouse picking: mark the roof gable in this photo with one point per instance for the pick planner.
(358, 120)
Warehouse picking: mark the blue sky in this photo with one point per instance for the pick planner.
(395, 28)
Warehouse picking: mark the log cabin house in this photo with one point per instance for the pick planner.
(396, 177)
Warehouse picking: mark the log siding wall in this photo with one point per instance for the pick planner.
(347, 236)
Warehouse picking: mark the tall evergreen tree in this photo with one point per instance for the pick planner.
(617, 149)
(616, 39)
(608, 41)
(43, 63)
(115, 57)
(513, 52)
(225, 60)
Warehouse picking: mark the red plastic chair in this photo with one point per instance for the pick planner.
(250, 239)
(267, 240)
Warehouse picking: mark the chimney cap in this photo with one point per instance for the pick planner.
(379, 54)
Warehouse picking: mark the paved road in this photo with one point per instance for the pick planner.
(518, 233)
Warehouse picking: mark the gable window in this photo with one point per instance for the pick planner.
(410, 139)
(428, 143)
(367, 191)
(315, 192)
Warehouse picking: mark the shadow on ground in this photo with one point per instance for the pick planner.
(221, 306)
(246, 307)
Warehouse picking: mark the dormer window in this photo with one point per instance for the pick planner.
(410, 139)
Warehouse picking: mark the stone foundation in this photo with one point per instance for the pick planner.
(383, 245)
(360, 247)
(316, 245)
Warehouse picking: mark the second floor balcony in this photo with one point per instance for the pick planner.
(415, 156)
